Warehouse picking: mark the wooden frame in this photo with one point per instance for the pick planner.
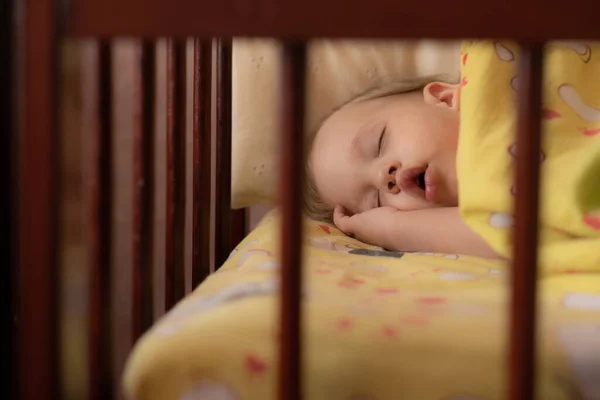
(287, 19)
(36, 28)
(8, 249)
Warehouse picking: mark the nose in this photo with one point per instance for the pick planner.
(388, 181)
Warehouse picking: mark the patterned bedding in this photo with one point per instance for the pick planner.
(569, 159)
(377, 325)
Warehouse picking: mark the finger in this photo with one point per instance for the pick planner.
(339, 215)
(342, 220)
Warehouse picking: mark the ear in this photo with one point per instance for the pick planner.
(442, 94)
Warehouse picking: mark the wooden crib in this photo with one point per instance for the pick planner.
(32, 31)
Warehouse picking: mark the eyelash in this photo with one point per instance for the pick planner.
(379, 146)
(381, 136)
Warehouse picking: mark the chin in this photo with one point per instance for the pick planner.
(451, 202)
(422, 206)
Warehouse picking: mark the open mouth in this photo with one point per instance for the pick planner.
(420, 180)
(414, 178)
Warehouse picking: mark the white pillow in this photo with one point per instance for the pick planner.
(337, 71)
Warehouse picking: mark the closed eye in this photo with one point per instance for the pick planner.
(381, 142)
(379, 148)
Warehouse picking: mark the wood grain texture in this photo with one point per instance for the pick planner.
(223, 212)
(144, 191)
(525, 232)
(175, 217)
(37, 190)
(533, 19)
(100, 217)
(290, 193)
(202, 166)
(8, 161)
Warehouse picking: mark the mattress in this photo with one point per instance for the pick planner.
(376, 325)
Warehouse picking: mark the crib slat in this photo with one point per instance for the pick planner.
(290, 192)
(175, 227)
(523, 279)
(36, 200)
(8, 202)
(100, 192)
(143, 191)
(223, 212)
(202, 169)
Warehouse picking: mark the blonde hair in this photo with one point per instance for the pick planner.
(313, 204)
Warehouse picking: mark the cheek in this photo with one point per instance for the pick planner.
(442, 124)
(449, 128)
(339, 189)
(444, 146)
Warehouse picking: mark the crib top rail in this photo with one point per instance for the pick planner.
(516, 19)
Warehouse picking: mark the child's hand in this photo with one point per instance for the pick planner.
(371, 226)
(438, 230)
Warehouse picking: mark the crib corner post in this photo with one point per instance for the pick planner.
(35, 198)
(7, 175)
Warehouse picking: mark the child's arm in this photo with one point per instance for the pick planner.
(437, 230)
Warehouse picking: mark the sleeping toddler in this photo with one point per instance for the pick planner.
(382, 167)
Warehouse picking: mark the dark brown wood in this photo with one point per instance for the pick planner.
(143, 191)
(100, 203)
(202, 168)
(8, 160)
(534, 19)
(223, 212)
(175, 226)
(37, 201)
(290, 193)
(525, 233)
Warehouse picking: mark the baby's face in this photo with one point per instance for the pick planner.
(397, 151)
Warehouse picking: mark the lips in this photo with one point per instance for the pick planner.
(419, 181)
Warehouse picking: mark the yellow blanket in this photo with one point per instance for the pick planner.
(570, 160)
(377, 326)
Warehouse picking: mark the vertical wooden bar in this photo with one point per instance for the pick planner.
(37, 205)
(175, 227)
(525, 232)
(202, 166)
(290, 192)
(223, 213)
(100, 192)
(7, 202)
(143, 191)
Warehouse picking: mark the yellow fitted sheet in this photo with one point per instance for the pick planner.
(376, 326)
